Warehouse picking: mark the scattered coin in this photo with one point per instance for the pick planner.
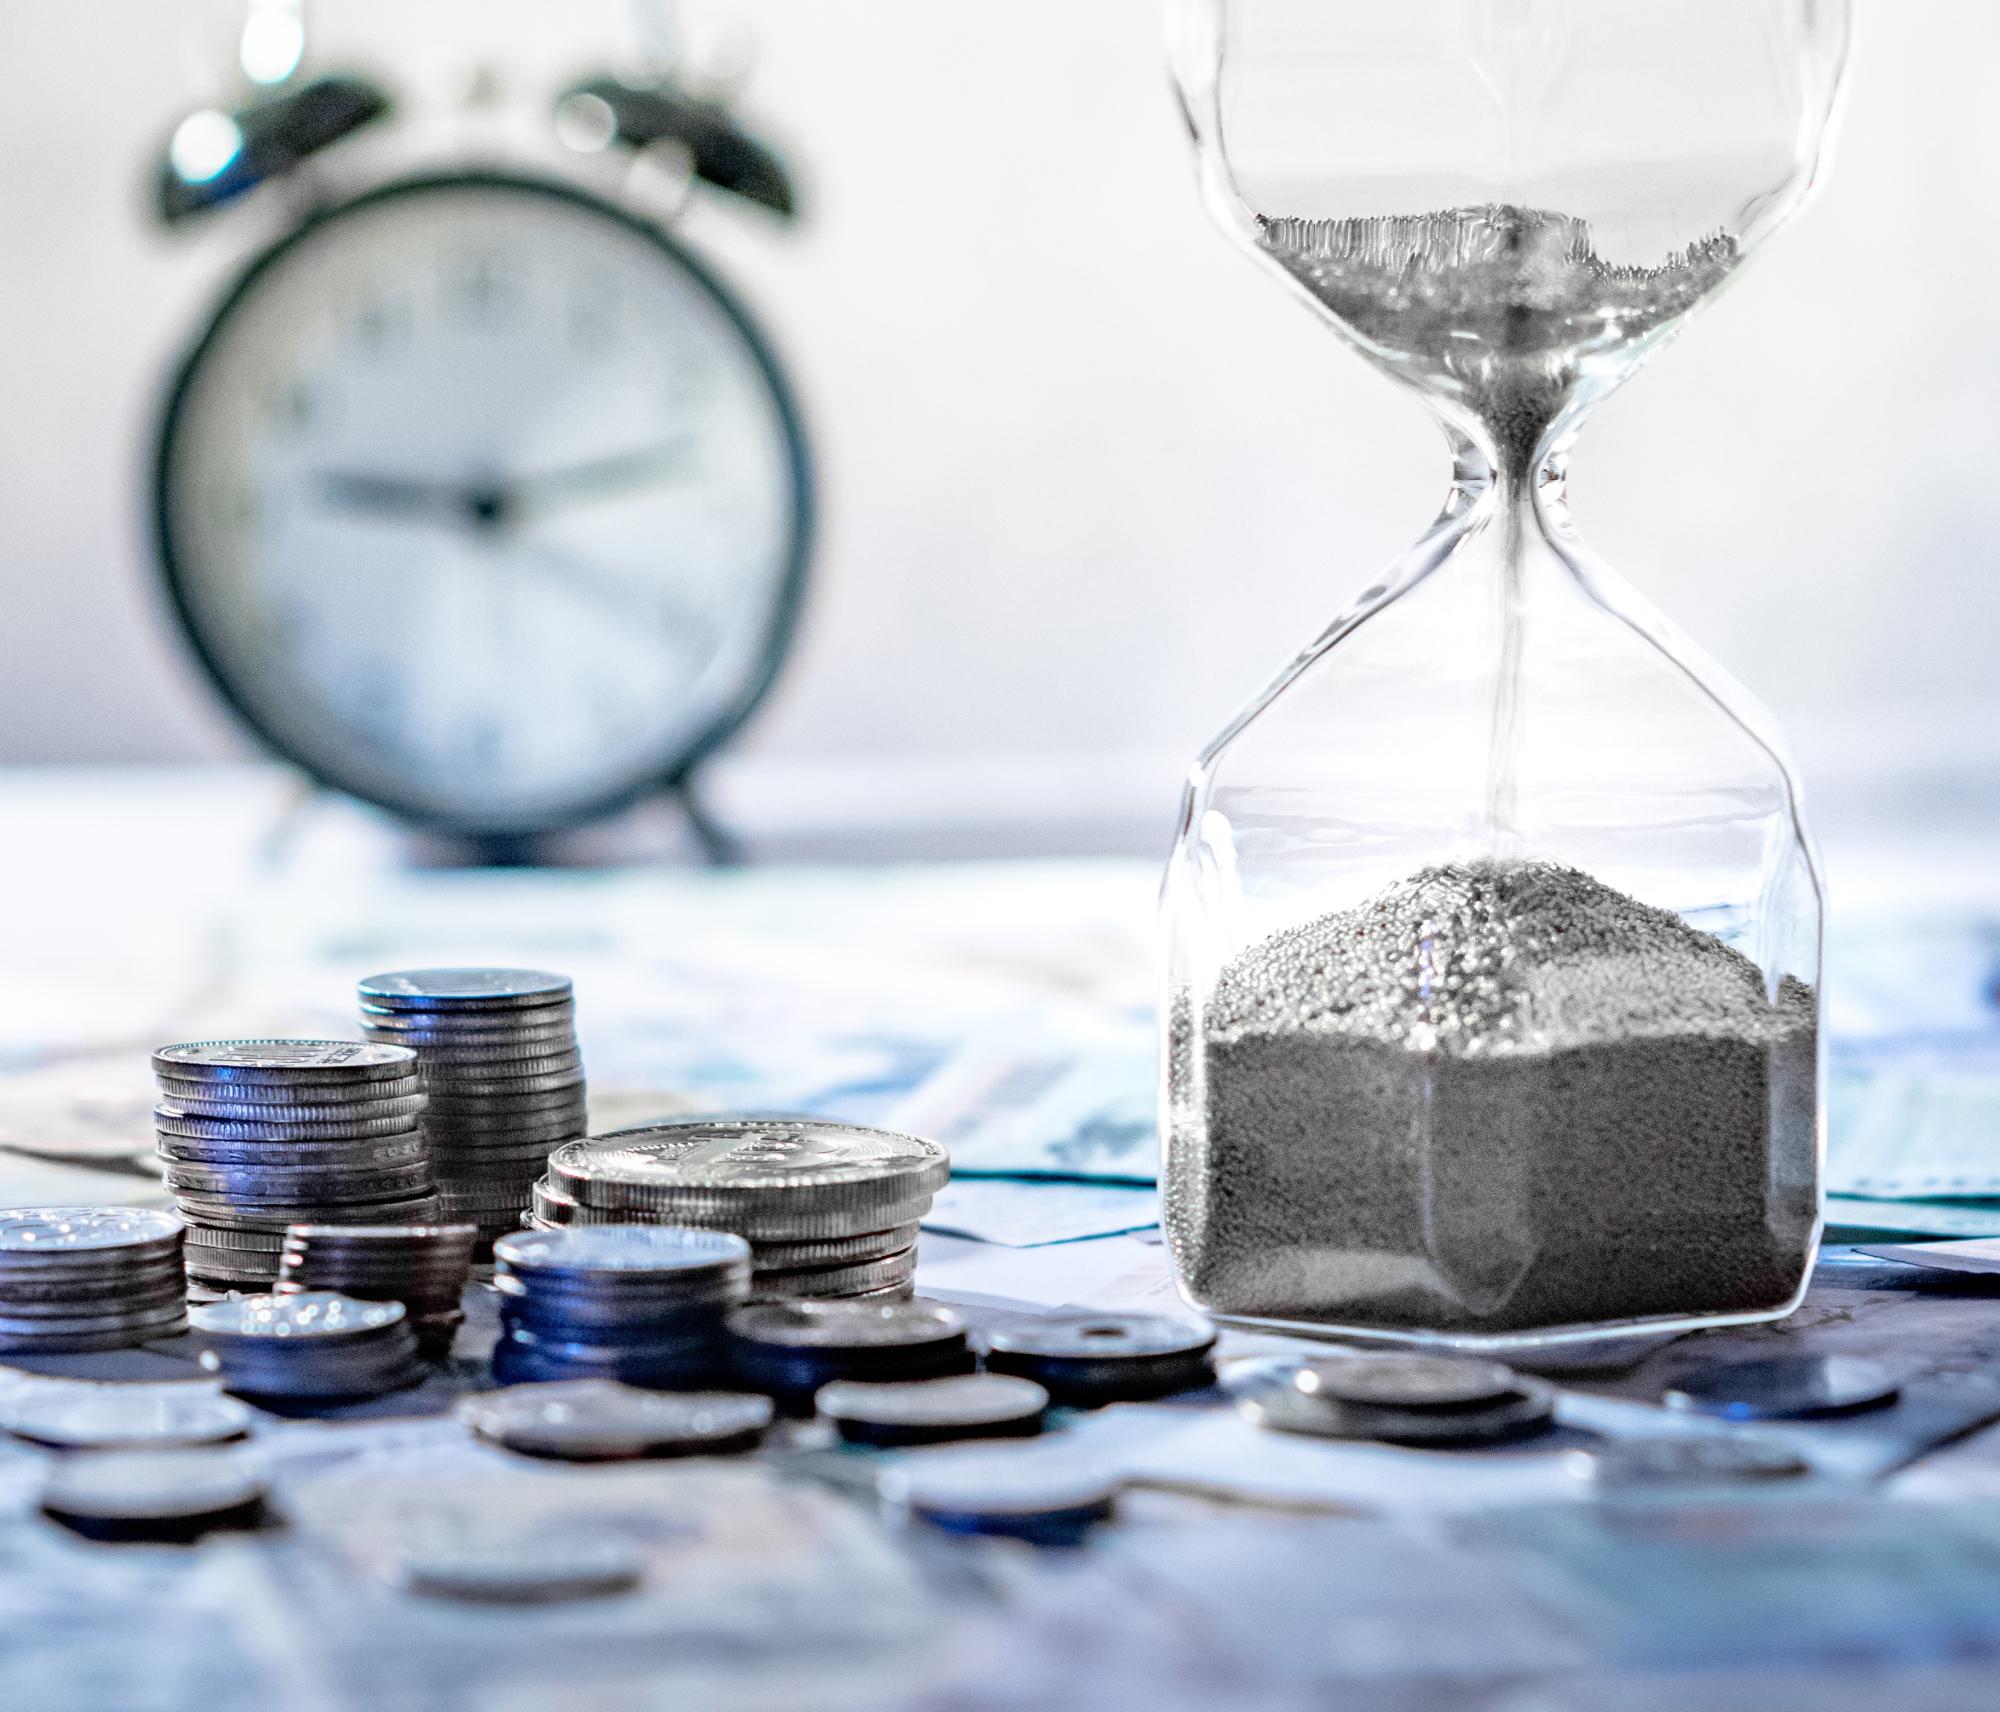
(1269, 1394)
(125, 1417)
(1787, 1386)
(591, 1420)
(1664, 1462)
(1407, 1381)
(315, 1344)
(1086, 1359)
(153, 1494)
(529, 1569)
(929, 1411)
(1049, 1497)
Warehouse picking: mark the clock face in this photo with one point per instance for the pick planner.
(482, 501)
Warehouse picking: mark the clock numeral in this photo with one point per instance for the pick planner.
(297, 408)
(381, 327)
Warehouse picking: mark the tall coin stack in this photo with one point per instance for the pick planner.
(498, 1054)
(74, 1279)
(829, 1209)
(257, 1135)
(644, 1304)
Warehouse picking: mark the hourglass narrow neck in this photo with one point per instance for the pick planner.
(1533, 486)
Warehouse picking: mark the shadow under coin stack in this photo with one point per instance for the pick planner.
(425, 1267)
(498, 1054)
(646, 1304)
(75, 1279)
(257, 1135)
(829, 1209)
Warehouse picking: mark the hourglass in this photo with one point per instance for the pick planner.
(1493, 925)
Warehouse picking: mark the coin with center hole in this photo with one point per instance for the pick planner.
(1784, 1387)
(597, 1420)
(1406, 1381)
(1713, 1459)
(930, 1411)
(1086, 1359)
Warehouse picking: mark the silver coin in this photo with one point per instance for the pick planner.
(1268, 1395)
(26, 1292)
(1407, 1381)
(407, 1027)
(140, 1302)
(847, 1325)
(423, 1239)
(281, 1095)
(448, 1100)
(126, 1417)
(817, 1161)
(780, 1222)
(241, 1242)
(293, 1188)
(172, 1120)
(831, 1281)
(1090, 1358)
(833, 1251)
(62, 1236)
(981, 1490)
(541, 1568)
(301, 1062)
(1781, 1387)
(906, 1410)
(596, 1420)
(448, 989)
(449, 1092)
(389, 1150)
(88, 1332)
(151, 1485)
(655, 1249)
(312, 1315)
(444, 1063)
(1673, 1462)
(293, 1114)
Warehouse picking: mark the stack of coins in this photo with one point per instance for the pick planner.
(261, 1134)
(316, 1346)
(425, 1267)
(497, 1050)
(829, 1209)
(1396, 1399)
(1085, 1359)
(74, 1279)
(790, 1350)
(645, 1304)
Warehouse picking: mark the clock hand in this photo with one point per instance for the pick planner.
(599, 478)
(692, 627)
(386, 495)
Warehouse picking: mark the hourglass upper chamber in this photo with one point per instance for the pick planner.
(1492, 1001)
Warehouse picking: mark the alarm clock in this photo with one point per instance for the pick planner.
(480, 496)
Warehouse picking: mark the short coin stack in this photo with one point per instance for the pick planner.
(257, 1135)
(644, 1304)
(1396, 1399)
(425, 1267)
(317, 1346)
(829, 1209)
(74, 1279)
(498, 1054)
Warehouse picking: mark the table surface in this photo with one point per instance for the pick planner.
(1245, 1569)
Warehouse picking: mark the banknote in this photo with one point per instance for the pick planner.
(1031, 1214)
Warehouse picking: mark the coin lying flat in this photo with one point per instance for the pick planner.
(286, 1094)
(535, 1569)
(1663, 1462)
(1406, 1381)
(929, 1411)
(62, 1236)
(828, 1162)
(1049, 1497)
(1782, 1387)
(474, 988)
(1086, 1359)
(1268, 1394)
(654, 1250)
(597, 1420)
(125, 1417)
(139, 1494)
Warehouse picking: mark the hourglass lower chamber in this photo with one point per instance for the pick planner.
(1493, 925)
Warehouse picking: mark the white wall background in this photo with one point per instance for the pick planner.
(1090, 477)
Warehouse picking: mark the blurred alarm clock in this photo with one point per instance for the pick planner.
(480, 496)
